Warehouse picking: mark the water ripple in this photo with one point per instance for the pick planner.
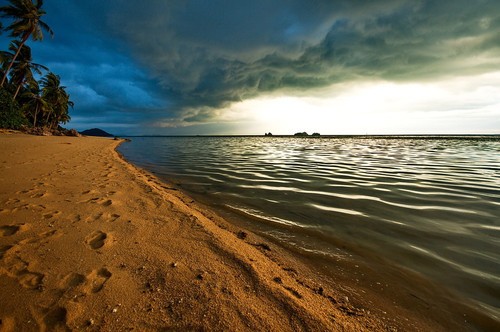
(430, 205)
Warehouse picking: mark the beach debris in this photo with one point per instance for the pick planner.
(294, 292)
(332, 299)
(291, 270)
(200, 276)
(242, 235)
(263, 246)
(174, 264)
(115, 309)
(226, 290)
(90, 322)
(352, 311)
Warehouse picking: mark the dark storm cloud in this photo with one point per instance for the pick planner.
(208, 54)
(108, 87)
(177, 62)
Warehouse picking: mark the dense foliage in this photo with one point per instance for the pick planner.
(24, 100)
(11, 115)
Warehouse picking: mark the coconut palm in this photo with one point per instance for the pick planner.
(57, 97)
(22, 69)
(34, 104)
(27, 23)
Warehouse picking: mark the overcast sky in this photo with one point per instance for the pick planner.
(249, 67)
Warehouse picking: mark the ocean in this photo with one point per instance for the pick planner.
(428, 205)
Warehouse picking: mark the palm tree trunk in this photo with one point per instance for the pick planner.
(17, 92)
(14, 58)
(34, 118)
(48, 116)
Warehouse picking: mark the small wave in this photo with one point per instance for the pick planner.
(495, 228)
(260, 215)
(338, 210)
(464, 269)
(438, 193)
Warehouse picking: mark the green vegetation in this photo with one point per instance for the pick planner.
(24, 101)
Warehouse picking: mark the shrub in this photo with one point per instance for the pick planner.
(11, 116)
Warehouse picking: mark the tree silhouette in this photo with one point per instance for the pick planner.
(58, 99)
(34, 104)
(27, 23)
(23, 67)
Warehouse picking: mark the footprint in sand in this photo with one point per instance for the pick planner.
(26, 191)
(17, 268)
(110, 217)
(72, 280)
(40, 237)
(9, 230)
(12, 201)
(97, 279)
(96, 240)
(39, 195)
(3, 250)
(51, 214)
(51, 319)
(107, 202)
(31, 280)
(100, 201)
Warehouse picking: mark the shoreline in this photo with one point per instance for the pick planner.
(90, 241)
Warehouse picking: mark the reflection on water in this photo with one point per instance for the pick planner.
(430, 205)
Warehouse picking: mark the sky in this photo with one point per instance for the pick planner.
(194, 67)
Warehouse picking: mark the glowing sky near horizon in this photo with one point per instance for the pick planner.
(282, 66)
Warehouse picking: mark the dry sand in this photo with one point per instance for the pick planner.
(90, 242)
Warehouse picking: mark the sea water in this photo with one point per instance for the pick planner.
(427, 204)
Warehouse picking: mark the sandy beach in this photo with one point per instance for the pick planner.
(90, 242)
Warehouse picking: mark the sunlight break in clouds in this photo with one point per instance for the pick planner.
(461, 105)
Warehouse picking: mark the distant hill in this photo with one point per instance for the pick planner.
(96, 132)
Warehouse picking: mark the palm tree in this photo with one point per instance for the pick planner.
(34, 104)
(57, 97)
(27, 23)
(22, 70)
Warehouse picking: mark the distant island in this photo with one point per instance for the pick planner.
(304, 134)
(300, 134)
(96, 132)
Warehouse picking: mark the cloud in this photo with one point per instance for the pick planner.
(207, 55)
(177, 63)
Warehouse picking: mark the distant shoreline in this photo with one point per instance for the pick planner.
(405, 136)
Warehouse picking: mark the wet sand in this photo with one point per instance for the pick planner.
(90, 242)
